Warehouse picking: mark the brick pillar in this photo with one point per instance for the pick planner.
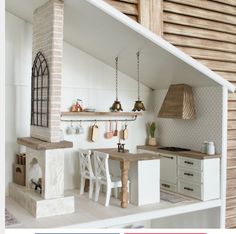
(48, 38)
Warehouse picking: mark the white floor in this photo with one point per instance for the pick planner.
(90, 214)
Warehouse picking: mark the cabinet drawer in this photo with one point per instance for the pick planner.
(189, 189)
(168, 186)
(189, 175)
(190, 163)
(168, 171)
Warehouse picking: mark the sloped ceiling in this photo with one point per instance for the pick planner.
(103, 32)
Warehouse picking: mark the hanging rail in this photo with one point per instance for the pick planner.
(100, 120)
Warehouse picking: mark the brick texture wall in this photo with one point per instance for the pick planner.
(48, 38)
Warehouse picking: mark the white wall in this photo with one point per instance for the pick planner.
(84, 77)
(192, 133)
(18, 71)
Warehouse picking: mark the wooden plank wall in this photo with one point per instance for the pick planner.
(146, 12)
(128, 7)
(206, 30)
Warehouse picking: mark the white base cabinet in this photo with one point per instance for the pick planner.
(145, 182)
(197, 178)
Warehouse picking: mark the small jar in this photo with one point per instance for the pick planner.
(211, 148)
(204, 147)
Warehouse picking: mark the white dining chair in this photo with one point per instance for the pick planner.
(103, 176)
(86, 171)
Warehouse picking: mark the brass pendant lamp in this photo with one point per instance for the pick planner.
(116, 106)
(138, 106)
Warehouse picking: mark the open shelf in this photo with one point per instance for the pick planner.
(89, 114)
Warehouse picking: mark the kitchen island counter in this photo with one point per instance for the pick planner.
(142, 164)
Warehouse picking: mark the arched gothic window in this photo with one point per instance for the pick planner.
(40, 91)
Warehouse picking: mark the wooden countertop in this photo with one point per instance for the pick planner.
(43, 145)
(189, 154)
(115, 155)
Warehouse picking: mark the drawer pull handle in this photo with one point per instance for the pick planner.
(188, 174)
(189, 189)
(166, 185)
(187, 162)
(169, 157)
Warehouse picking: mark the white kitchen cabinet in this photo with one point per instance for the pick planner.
(145, 182)
(168, 172)
(199, 178)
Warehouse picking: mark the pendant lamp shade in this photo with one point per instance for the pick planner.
(138, 105)
(116, 106)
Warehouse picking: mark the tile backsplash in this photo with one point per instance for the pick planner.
(192, 133)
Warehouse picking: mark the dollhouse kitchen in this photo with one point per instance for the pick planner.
(115, 127)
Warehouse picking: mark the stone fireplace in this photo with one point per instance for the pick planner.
(43, 194)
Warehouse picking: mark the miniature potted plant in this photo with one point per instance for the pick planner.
(151, 132)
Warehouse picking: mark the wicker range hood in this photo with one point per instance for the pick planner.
(178, 103)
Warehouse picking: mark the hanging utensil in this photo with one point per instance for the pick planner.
(125, 132)
(94, 133)
(115, 133)
(109, 133)
(81, 129)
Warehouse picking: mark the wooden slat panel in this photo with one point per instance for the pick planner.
(231, 183)
(156, 17)
(230, 212)
(230, 222)
(219, 66)
(126, 8)
(133, 17)
(231, 163)
(209, 5)
(231, 202)
(150, 15)
(231, 115)
(231, 134)
(198, 33)
(231, 105)
(144, 13)
(200, 13)
(230, 76)
(227, 2)
(128, 1)
(199, 23)
(232, 96)
(231, 154)
(209, 54)
(200, 43)
(231, 192)
(231, 144)
(231, 173)
(231, 124)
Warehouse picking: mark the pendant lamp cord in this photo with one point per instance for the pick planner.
(116, 78)
(138, 75)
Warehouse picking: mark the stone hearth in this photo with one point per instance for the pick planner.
(50, 159)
